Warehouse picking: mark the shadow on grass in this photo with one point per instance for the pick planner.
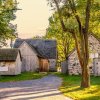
(71, 90)
(71, 87)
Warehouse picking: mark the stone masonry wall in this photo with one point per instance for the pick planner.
(94, 49)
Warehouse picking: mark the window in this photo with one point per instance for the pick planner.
(3, 66)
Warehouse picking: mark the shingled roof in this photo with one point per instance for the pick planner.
(8, 54)
(44, 48)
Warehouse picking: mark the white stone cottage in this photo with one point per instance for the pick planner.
(37, 54)
(94, 62)
(10, 62)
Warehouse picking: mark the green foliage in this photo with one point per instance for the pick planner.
(21, 77)
(55, 29)
(7, 30)
(65, 42)
(71, 88)
(95, 18)
(80, 6)
(38, 37)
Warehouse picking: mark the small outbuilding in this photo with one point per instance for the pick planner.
(73, 65)
(10, 62)
(37, 54)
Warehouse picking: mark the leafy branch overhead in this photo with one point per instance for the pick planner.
(78, 10)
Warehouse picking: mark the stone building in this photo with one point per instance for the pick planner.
(10, 62)
(37, 54)
(94, 59)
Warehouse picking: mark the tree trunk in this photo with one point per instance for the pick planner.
(85, 77)
(67, 72)
(82, 48)
(83, 59)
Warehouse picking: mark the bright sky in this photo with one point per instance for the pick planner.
(32, 20)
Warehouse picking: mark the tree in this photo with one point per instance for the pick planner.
(82, 17)
(7, 30)
(64, 41)
(38, 37)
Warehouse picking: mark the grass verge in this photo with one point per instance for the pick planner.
(21, 77)
(71, 88)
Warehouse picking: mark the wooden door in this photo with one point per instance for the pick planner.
(44, 65)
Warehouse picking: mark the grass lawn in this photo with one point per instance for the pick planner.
(71, 88)
(22, 77)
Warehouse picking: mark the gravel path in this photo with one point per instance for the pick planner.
(40, 89)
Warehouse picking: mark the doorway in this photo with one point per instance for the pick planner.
(44, 65)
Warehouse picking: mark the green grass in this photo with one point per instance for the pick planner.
(22, 77)
(71, 88)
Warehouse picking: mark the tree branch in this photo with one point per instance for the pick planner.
(73, 8)
(86, 29)
(60, 17)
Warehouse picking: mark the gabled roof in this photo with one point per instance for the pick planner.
(98, 39)
(44, 48)
(95, 36)
(71, 52)
(9, 54)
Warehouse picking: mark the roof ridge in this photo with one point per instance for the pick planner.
(36, 39)
(89, 36)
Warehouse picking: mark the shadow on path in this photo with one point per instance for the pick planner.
(40, 89)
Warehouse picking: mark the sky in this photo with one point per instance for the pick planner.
(32, 20)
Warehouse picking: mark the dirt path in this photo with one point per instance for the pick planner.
(41, 89)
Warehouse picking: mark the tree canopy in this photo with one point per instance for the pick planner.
(7, 30)
(68, 16)
(65, 42)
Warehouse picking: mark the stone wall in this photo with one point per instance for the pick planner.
(73, 62)
(97, 67)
